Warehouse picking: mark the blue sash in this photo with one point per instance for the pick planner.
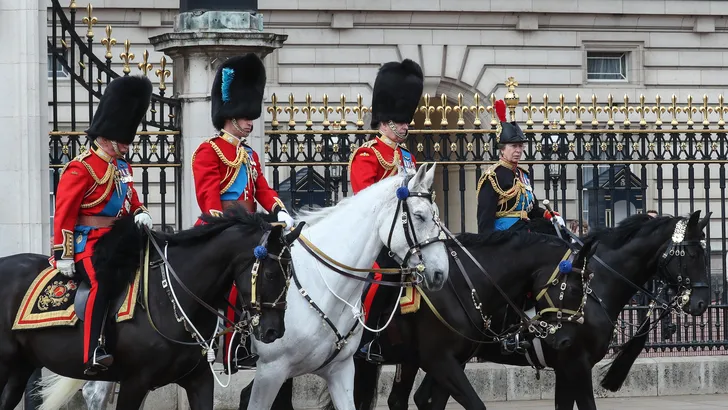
(407, 159)
(524, 203)
(238, 187)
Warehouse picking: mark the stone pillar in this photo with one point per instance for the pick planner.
(24, 160)
(200, 42)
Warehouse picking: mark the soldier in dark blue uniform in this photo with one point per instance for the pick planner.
(505, 194)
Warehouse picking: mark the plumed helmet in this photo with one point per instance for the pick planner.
(397, 92)
(237, 91)
(121, 109)
(508, 132)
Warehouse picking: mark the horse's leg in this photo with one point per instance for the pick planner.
(200, 388)
(268, 382)
(15, 386)
(563, 395)
(366, 378)
(449, 373)
(399, 396)
(97, 394)
(340, 379)
(284, 399)
(131, 395)
(430, 395)
(582, 385)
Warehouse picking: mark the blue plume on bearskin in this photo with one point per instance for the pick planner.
(227, 78)
(237, 91)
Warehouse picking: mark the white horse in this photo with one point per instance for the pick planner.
(351, 233)
(397, 212)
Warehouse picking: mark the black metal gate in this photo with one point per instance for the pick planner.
(589, 158)
(78, 77)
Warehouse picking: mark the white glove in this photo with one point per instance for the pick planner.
(285, 218)
(143, 218)
(67, 267)
(559, 220)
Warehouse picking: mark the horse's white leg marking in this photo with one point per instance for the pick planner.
(97, 394)
(340, 380)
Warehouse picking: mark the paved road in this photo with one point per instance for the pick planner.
(703, 402)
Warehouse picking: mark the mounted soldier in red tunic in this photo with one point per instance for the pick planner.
(225, 169)
(95, 189)
(397, 92)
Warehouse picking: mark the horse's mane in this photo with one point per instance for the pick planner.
(520, 237)
(312, 217)
(634, 226)
(248, 223)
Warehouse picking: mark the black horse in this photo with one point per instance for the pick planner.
(519, 263)
(153, 348)
(639, 249)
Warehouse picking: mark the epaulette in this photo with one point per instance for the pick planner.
(489, 171)
(80, 157)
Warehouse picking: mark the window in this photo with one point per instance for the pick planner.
(58, 55)
(606, 66)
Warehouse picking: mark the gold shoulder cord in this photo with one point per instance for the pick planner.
(106, 179)
(518, 189)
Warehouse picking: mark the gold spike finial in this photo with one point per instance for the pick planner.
(145, 66)
(444, 109)
(108, 41)
(274, 109)
(127, 56)
(73, 5)
(162, 73)
(89, 21)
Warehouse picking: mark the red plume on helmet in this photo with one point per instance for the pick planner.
(500, 110)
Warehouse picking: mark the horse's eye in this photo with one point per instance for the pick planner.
(420, 217)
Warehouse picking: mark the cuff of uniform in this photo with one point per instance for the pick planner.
(58, 254)
(140, 210)
(278, 206)
(215, 213)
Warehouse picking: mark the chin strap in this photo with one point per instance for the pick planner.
(116, 149)
(393, 127)
(240, 130)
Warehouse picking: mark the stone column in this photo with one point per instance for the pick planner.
(200, 42)
(24, 160)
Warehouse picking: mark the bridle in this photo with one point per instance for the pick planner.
(256, 306)
(676, 250)
(407, 276)
(253, 311)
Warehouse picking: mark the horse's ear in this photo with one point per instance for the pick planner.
(429, 177)
(417, 179)
(694, 219)
(294, 234)
(587, 251)
(704, 222)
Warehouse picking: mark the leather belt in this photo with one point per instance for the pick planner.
(96, 221)
(247, 204)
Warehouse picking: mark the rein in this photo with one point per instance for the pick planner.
(404, 270)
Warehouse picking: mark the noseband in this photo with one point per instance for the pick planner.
(415, 246)
(256, 306)
(676, 249)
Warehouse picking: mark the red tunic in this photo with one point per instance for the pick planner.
(375, 160)
(93, 184)
(226, 170)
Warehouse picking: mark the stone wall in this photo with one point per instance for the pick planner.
(666, 376)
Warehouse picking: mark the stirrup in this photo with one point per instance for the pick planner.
(246, 361)
(373, 352)
(100, 362)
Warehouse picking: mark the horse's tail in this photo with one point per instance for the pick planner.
(57, 390)
(620, 366)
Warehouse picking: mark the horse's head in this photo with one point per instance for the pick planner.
(684, 264)
(561, 295)
(411, 228)
(268, 283)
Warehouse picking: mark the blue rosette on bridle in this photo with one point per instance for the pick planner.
(260, 252)
(565, 267)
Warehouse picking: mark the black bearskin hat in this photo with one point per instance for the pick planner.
(121, 109)
(237, 91)
(509, 132)
(397, 92)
